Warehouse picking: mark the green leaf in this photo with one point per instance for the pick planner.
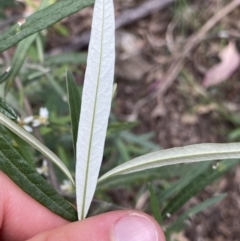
(123, 150)
(32, 183)
(142, 140)
(118, 126)
(66, 58)
(11, 98)
(179, 224)
(7, 110)
(34, 143)
(136, 178)
(41, 20)
(18, 60)
(154, 204)
(24, 149)
(20, 55)
(74, 102)
(7, 3)
(197, 185)
(57, 87)
(187, 154)
(177, 186)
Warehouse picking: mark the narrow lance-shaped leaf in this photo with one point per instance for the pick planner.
(178, 185)
(27, 178)
(41, 20)
(20, 55)
(74, 105)
(187, 154)
(179, 224)
(56, 86)
(23, 148)
(154, 204)
(96, 103)
(17, 61)
(34, 143)
(197, 184)
(7, 110)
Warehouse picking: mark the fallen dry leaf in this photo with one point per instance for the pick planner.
(230, 61)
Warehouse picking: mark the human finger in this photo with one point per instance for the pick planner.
(112, 226)
(21, 217)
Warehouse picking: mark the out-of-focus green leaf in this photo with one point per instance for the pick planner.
(61, 29)
(40, 49)
(41, 20)
(18, 60)
(7, 3)
(179, 224)
(7, 110)
(27, 178)
(20, 55)
(74, 101)
(123, 150)
(119, 126)
(154, 204)
(142, 140)
(11, 99)
(34, 143)
(56, 86)
(66, 58)
(197, 185)
(234, 135)
(147, 176)
(177, 186)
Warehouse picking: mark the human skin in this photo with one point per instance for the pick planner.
(23, 218)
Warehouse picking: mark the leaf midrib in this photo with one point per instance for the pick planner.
(93, 117)
(165, 160)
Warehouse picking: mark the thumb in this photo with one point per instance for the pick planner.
(112, 226)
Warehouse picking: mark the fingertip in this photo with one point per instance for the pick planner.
(112, 226)
(137, 226)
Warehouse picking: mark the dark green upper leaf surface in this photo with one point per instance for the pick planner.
(74, 105)
(26, 177)
(7, 110)
(41, 20)
(23, 148)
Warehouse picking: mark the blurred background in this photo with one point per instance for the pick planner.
(178, 83)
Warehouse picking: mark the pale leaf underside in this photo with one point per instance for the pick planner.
(96, 103)
(187, 154)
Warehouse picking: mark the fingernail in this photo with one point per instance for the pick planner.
(134, 228)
